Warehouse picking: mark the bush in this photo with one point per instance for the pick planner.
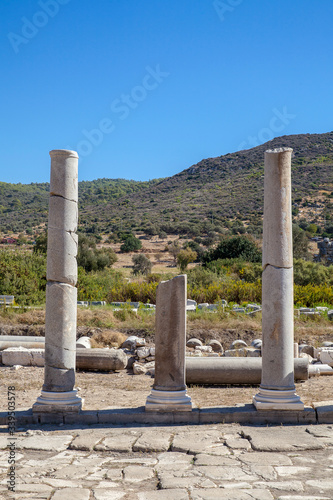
(237, 247)
(96, 285)
(300, 243)
(41, 244)
(311, 273)
(131, 244)
(91, 258)
(24, 276)
(141, 264)
(184, 258)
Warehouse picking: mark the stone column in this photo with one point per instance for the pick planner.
(169, 389)
(61, 294)
(277, 389)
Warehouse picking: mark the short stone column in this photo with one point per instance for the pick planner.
(61, 294)
(169, 389)
(277, 388)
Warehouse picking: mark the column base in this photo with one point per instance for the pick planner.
(270, 399)
(58, 402)
(168, 401)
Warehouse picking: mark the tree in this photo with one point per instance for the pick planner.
(41, 244)
(131, 244)
(174, 248)
(91, 258)
(184, 258)
(141, 264)
(300, 243)
(238, 247)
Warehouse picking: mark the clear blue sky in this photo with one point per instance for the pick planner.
(144, 89)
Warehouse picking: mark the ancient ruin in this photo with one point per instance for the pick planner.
(169, 390)
(61, 293)
(277, 388)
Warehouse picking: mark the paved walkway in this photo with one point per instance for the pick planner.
(190, 462)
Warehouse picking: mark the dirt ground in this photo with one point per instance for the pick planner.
(123, 389)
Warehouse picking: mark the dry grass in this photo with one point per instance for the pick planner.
(108, 338)
(100, 317)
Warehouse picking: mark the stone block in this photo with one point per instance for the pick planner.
(83, 343)
(60, 325)
(324, 411)
(57, 379)
(63, 214)
(277, 327)
(64, 174)
(61, 256)
(277, 241)
(326, 356)
(170, 334)
(22, 356)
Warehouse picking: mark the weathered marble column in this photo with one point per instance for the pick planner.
(277, 389)
(61, 294)
(169, 389)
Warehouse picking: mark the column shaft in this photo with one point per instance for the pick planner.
(277, 389)
(61, 293)
(169, 390)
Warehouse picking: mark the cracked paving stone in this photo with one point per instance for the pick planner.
(59, 483)
(298, 497)
(33, 488)
(194, 442)
(119, 442)
(264, 458)
(204, 459)
(226, 473)
(163, 495)
(170, 482)
(72, 494)
(285, 471)
(321, 484)
(4, 458)
(237, 443)
(134, 460)
(266, 472)
(321, 431)
(281, 439)
(90, 461)
(151, 441)
(114, 474)
(281, 485)
(174, 457)
(104, 494)
(135, 473)
(70, 471)
(47, 443)
(107, 484)
(86, 441)
(222, 494)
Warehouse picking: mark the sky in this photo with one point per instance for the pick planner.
(145, 89)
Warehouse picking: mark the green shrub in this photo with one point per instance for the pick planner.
(237, 247)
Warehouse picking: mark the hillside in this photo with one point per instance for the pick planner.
(214, 194)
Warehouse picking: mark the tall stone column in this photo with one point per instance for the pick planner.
(169, 389)
(277, 388)
(61, 294)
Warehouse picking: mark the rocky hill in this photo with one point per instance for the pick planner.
(214, 194)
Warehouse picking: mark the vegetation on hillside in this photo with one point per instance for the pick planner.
(216, 196)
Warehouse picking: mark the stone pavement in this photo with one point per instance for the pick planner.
(183, 462)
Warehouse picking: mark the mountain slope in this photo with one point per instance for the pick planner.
(215, 193)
